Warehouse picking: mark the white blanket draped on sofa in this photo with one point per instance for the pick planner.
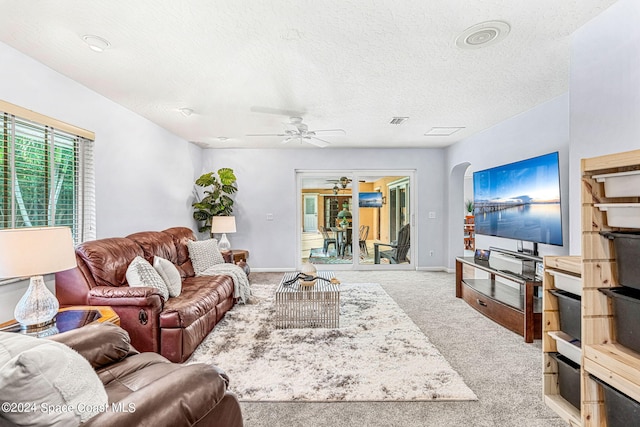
(241, 286)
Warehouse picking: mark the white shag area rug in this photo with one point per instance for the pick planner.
(377, 354)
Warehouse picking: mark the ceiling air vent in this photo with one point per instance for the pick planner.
(398, 120)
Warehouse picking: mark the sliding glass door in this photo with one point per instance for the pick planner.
(357, 219)
(384, 214)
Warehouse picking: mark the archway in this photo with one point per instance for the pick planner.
(456, 213)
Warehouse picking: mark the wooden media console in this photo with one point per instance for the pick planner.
(514, 305)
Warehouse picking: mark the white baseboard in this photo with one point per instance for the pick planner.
(440, 268)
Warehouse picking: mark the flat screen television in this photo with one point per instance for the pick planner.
(370, 199)
(520, 200)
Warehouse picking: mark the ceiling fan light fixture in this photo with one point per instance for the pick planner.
(96, 43)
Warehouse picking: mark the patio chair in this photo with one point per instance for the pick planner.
(327, 240)
(399, 248)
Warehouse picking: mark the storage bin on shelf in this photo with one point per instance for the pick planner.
(620, 409)
(567, 282)
(567, 346)
(568, 379)
(625, 215)
(626, 315)
(569, 312)
(620, 184)
(627, 251)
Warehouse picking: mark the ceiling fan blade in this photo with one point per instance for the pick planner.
(276, 111)
(284, 141)
(267, 134)
(342, 131)
(317, 142)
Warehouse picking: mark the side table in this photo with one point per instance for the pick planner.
(240, 259)
(68, 318)
(240, 255)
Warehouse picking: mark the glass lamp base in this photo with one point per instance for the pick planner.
(224, 244)
(38, 306)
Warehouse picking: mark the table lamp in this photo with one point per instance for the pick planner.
(223, 224)
(33, 252)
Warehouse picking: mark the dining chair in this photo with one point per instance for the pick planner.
(328, 240)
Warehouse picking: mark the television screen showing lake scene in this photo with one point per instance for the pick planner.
(520, 200)
(370, 200)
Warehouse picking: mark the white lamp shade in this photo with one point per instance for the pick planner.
(35, 251)
(223, 224)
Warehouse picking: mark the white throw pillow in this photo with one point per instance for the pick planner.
(50, 383)
(169, 274)
(141, 273)
(204, 254)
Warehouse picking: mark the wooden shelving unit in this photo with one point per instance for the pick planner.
(571, 265)
(469, 233)
(602, 357)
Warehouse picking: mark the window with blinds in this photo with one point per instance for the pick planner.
(47, 175)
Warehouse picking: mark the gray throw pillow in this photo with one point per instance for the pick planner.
(141, 273)
(204, 254)
(169, 274)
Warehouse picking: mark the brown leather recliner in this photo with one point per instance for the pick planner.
(173, 328)
(145, 389)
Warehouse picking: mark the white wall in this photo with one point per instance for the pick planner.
(144, 174)
(541, 130)
(267, 184)
(605, 93)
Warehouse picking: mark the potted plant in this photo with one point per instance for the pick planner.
(469, 206)
(216, 201)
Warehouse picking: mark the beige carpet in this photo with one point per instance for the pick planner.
(377, 354)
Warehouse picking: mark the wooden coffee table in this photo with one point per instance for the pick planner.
(68, 318)
(316, 306)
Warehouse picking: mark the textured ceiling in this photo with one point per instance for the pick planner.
(244, 66)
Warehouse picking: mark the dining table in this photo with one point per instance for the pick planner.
(344, 237)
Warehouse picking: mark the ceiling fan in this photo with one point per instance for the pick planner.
(298, 131)
(343, 181)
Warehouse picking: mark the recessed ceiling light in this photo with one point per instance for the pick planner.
(222, 138)
(96, 44)
(483, 34)
(443, 131)
(186, 111)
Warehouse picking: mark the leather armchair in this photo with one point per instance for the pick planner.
(161, 392)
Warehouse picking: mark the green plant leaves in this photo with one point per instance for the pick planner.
(216, 201)
(227, 176)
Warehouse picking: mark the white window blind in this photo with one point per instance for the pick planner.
(47, 175)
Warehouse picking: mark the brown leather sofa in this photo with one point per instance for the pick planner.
(173, 328)
(145, 389)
